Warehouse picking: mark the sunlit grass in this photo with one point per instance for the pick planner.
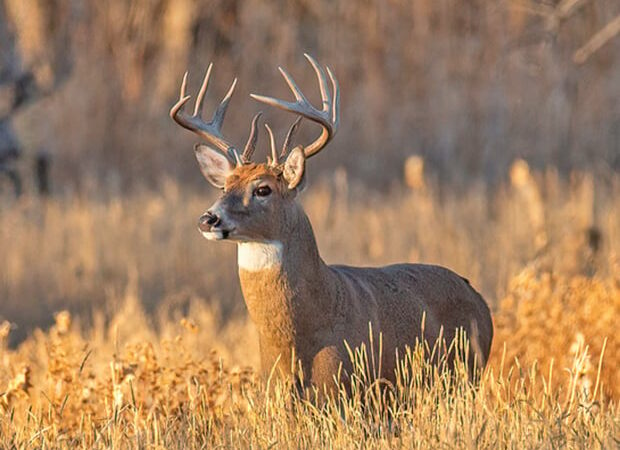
(157, 352)
(163, 393)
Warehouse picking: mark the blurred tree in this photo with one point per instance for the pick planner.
(469, 86)
(28, 72)
(9, 100)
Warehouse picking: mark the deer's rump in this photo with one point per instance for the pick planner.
(396, 299)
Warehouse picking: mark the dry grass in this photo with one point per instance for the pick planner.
(157, 351)
(548, 319)
(121, 327)
(74, 391)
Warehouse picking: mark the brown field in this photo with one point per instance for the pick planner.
(121, 327)
(159, 352)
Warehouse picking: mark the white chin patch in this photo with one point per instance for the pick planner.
(213, 235)
(255, 256)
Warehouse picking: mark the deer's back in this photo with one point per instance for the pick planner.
(396, 298)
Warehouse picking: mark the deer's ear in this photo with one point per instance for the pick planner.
(294, 167)
(214, 166)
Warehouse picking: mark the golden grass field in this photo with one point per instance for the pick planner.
(121, 327)
(159, 353)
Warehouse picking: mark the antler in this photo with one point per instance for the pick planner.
(289, 137)
(328, 117)
(250, 146)
(274, 160)
(211, 131)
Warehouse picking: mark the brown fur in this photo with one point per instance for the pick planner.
(241, 176)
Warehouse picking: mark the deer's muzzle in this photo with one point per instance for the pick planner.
(211, 227)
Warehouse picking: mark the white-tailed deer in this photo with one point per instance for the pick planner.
(303, 308)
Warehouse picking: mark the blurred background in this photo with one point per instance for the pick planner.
(469, 88)
(484, 136)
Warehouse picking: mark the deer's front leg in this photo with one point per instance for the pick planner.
(328, 370)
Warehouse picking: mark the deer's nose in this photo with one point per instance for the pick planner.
(208, 220)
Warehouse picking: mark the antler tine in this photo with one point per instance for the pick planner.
(299, 96)
(210, 131)
(289, 137)
(320, 74)
(274, 152)
(328, 117)
(250, 145)
(220, 112)
(203, 90)
(336, 107)
(182, 99)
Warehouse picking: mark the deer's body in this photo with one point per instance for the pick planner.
(304, 309)
(302, 305)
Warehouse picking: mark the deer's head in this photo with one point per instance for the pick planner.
(257, 198)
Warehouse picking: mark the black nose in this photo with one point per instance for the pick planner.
(208, 220)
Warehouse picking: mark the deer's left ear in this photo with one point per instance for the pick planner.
(294, 167)
(214, 165)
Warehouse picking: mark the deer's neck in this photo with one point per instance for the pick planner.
(285, 286)
(259, 256)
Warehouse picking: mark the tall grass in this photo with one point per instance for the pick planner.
(144, 340)
(71, 390)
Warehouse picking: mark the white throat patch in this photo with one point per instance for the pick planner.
(255, 256)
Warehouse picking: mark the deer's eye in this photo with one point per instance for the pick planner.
(262, 191)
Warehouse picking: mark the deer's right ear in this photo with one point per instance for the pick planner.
(214, 165)
(294, 167)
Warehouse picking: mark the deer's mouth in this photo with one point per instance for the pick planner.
(216, 234)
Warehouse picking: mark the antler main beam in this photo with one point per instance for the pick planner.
(328, 117)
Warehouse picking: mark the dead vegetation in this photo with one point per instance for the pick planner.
(158, 351)
(166, 389)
